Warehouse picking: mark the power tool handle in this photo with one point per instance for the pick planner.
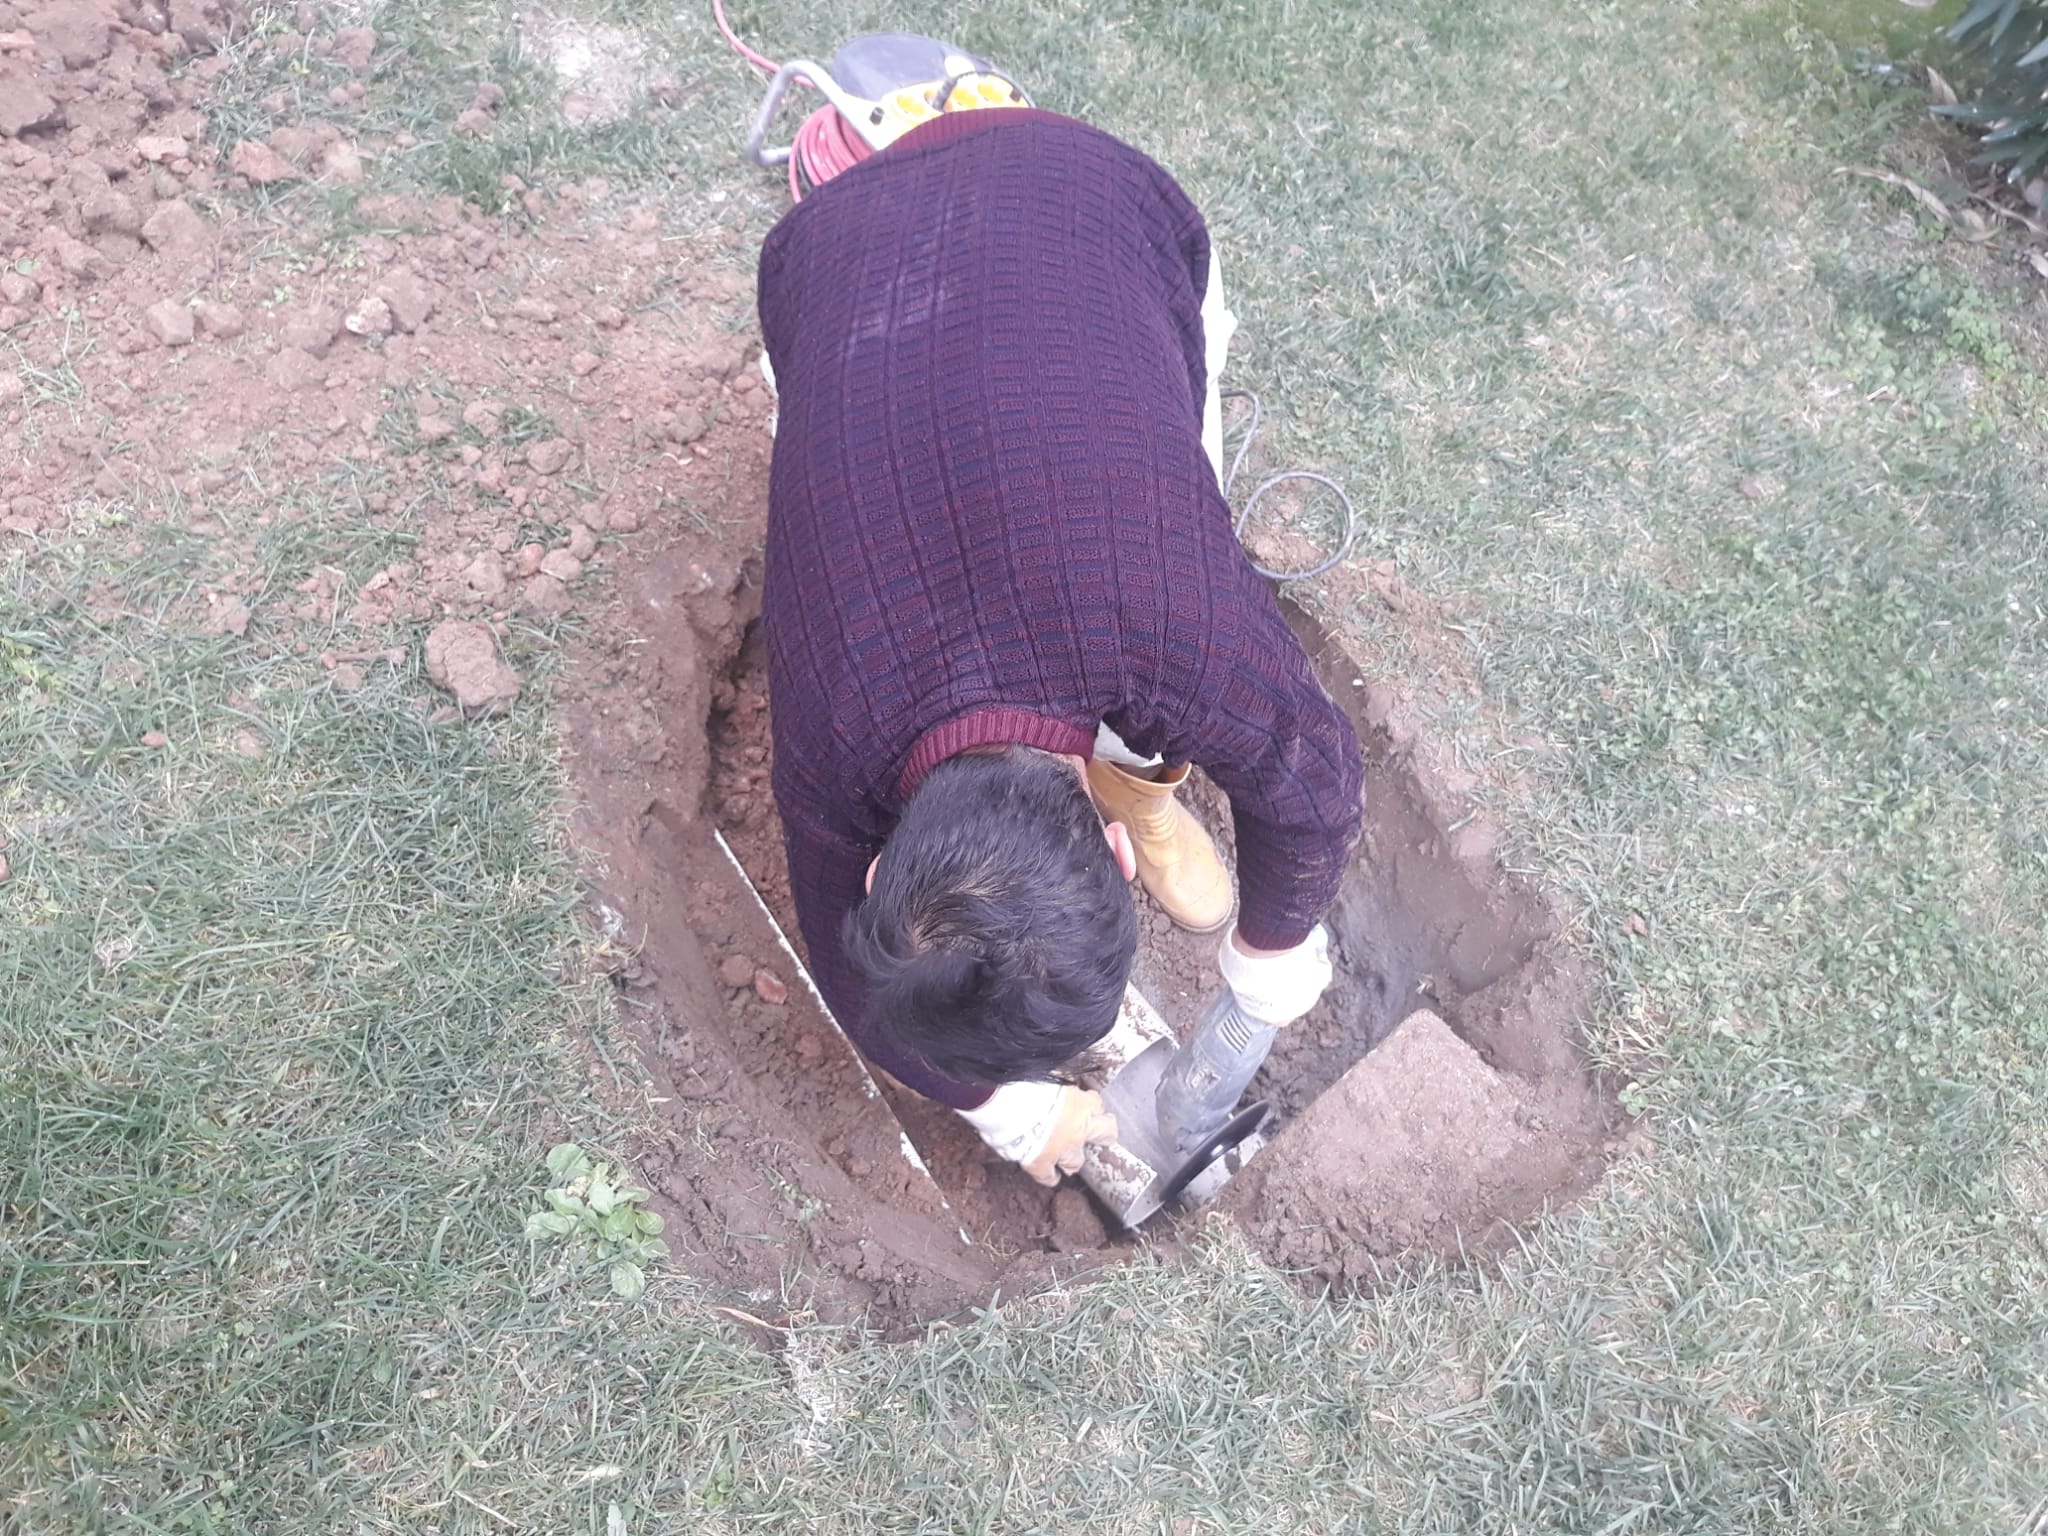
(1210, 1073)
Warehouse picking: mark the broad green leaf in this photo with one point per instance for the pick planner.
(628, 1280)
(567, 1161)
(600, 1197)
(649, 1222)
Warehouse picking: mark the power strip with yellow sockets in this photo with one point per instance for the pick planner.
(888, 120)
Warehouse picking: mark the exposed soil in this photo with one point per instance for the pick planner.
(502, 397)
(1422, 1147)
(784, 1171)
(504, 403)
(1424, 921)
(1006, 1213)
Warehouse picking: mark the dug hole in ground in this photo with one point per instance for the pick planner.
(501, 410)
(794, 1175)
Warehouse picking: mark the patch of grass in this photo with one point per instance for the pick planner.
(284, 1005)
(523, 424)
(55, 382)
(429, 64)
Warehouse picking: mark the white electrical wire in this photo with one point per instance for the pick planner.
(1244, 447)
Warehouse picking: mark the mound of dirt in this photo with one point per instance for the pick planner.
(1421, 1146)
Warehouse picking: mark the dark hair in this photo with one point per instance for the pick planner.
(999, 935)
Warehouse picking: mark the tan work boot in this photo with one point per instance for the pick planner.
(1176, 861)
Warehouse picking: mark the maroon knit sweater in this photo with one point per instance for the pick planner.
(991, 519)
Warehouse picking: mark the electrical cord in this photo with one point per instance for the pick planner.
(826, 144)
(1244, 447)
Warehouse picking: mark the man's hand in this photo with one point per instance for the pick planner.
(1277, 986)
(1042, 1127)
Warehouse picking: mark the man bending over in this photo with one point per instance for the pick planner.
(1004, 611)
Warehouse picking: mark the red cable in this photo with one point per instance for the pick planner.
(825, 145)
(760, 61)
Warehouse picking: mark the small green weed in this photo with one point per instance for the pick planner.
(1900, 333)
(523, 424)
(591, 1210)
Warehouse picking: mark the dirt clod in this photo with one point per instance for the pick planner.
(169, 322)
(736, 971)
(111, 213)
(78, 260)
(292, 370)
(353, 46)
(545, 595)
(74, 33)
(312, 329)
(222, 322)
(263, 165)
(24, 105)
(206, 24)
(175, 229)
(155, 739)
(485, 576)
(341, 162)
(410, 297)
(550, 457)
(372, 317)
(463, 658)
(770, 989)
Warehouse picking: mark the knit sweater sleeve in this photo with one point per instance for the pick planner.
(1285, 754)
(828, 864)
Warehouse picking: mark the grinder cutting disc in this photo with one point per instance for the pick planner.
(1141, 1171)
(1168, 1185)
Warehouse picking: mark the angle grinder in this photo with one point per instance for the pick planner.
(1180, 1133)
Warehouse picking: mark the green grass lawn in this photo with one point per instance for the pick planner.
(1733, 465)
